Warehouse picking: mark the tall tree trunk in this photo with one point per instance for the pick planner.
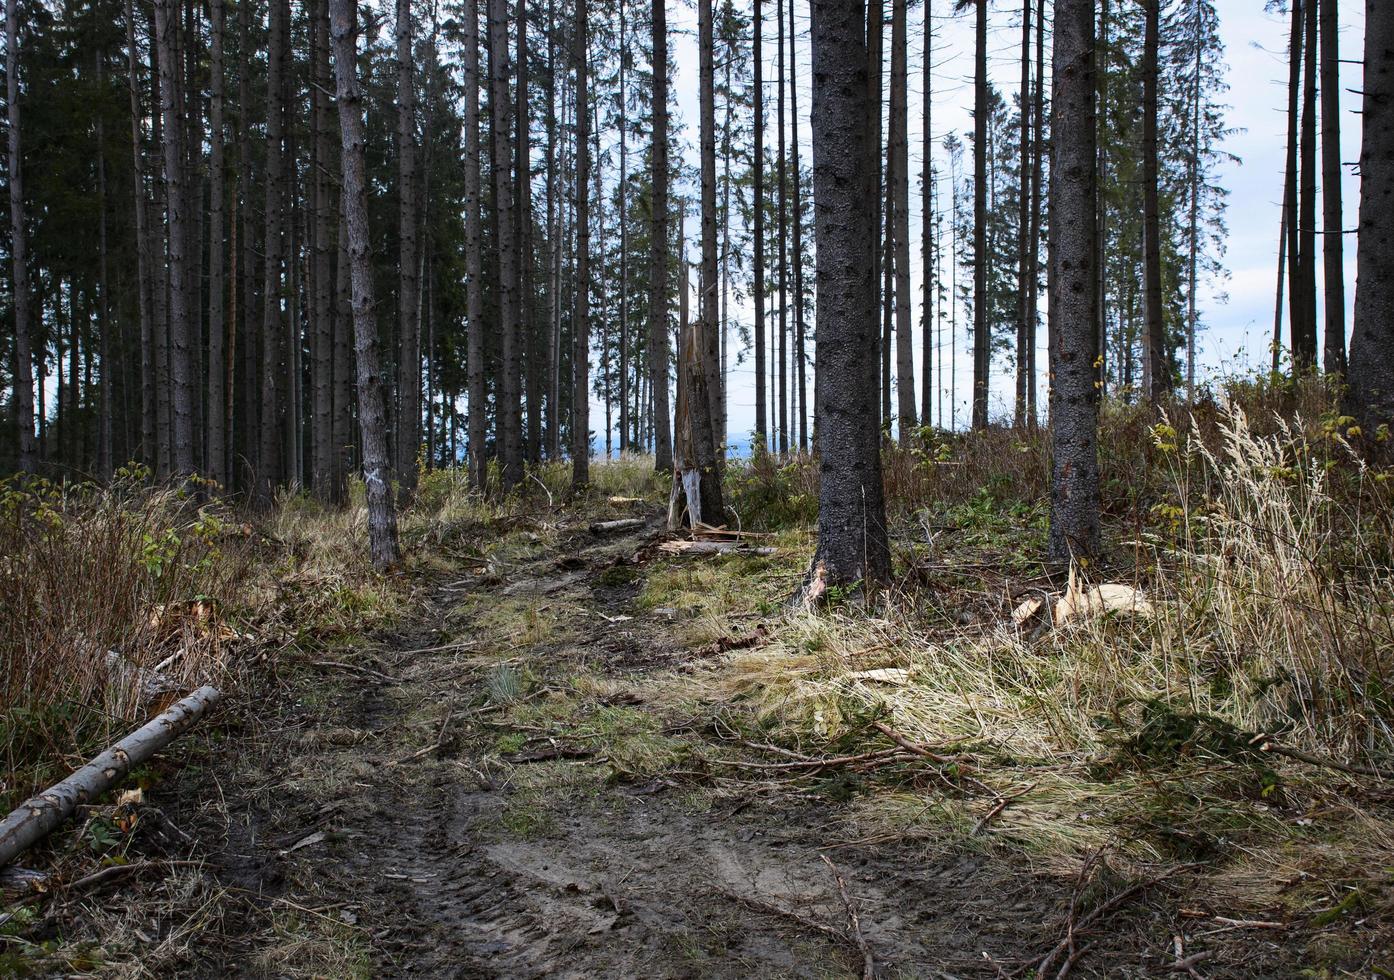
(325, 476)
(19, 261)
(474, 287)
(522, 217)
(929, 278)
(509, 409)
(1074, 503)
(1333, 244)
(408, 284)
(1305, 352)
(580, 319)
(377, 469)
(251, 402)
(108, 350)
(1371, 371)
(875, 42)
(852, 543)
(217, 320)
(762, 423)
(1296, 330)
(658, 246)
(800, 307)
(273, 324)
(1037, 191)
(626, 419)
(177, 221)
(1157, 368)
(1024, 285)
(981, 340)
(782, 218)
(144, 260)
(900, 124)
(556, 218)
(1193, 182)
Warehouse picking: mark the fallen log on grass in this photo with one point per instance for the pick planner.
(712, 548)
(609, 527)
(36, 818)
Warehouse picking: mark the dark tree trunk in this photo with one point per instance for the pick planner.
(217, 286)
(177, 221)
(324, 476)
(626, 418)
(508, 413)
(1333, 244)
(144, 260)
(273, 325)
(800, 307)
(900, 124)
(762, 424)
(781, 348)
(522, 220)
(852, 543)
(658, 247)
(1074, 503)
(1037, 192)
(1024, 284)
(1157, 368)
(377, 469)
(981, 340)
(409, 283)
(580, 320)
(19, 262)
(929, 281)
(474, 298)
(1371, 371)
(1304, 346)
(1290, 201)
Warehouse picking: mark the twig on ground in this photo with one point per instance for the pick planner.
(997, 807)
(1316, 760)
(354, 669)
(868, 961)
(115, 871)
(770, 908)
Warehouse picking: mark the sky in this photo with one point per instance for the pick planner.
(1237, 315)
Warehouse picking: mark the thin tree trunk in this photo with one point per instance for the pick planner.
(217, 320)
(1074, 512)
(900, 123)
(1024, 285)
(800, 307)
(509, 411)
(474, 288)
(1193, 182)
(324, 475)
(250, 429)
(377, 469)
(928, 280)
(626, 420)
(1305, 353)
(522, 217)
(19, 261)
(272, 332)
(782, 217)
(981, 340)
(1156, 366)
(580, 320)
(875, 42)
(1034, 255)
(149, 449)
(109, 367)
(408, 283)
(1296, 328)
(852, 543)
(762, 424)
(1333, 244)
(658, 247)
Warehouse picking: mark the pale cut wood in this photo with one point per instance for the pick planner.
(36, 818)
(624, 524)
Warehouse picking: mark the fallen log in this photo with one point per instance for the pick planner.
(609, 527)
(712, 548)
(36, 818)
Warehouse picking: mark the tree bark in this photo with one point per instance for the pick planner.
(1157, 368)
(781, 347)
(324, 476)
(1305, 353)
(580, 320)
(474, 287)
(1333, 242)
(1296, 329)
(929, 277)
(762, 424)
(527, 350)
(216, 448)
(273, 327)
(1371, 372)
(19, 261)
(852, 543)
(900, 123)
(1074, 503)
(177, 222)
(144, 260)
(658, 247)
(508, 412)
(1024, 285)
(981, 340)
(409, 282)
(377, 468)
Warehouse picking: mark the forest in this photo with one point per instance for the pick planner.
(713, 488)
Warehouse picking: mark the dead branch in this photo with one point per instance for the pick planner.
(611, 527)
(770, 908)
(868, 961)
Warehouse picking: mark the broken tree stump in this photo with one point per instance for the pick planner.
(39, 816)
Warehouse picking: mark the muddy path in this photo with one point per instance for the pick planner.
(494, 790)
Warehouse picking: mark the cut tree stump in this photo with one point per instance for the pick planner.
(36, 818)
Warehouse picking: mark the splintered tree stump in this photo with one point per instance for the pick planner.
(36, 818)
